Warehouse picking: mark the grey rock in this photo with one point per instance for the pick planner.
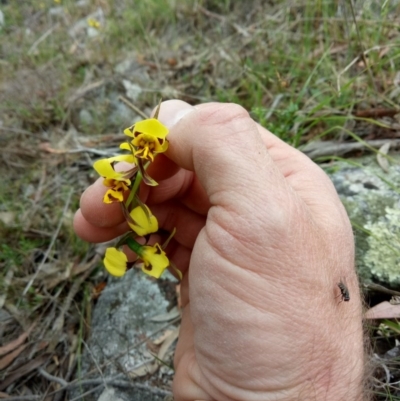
(120, 115)
(122, 323)
(109, 395)
(132, 90)
(82, 3)
(85, 117)
(92, 32)
(57, 12)
(372, 200)
(134, 394)
(392, 353)
(133, 70)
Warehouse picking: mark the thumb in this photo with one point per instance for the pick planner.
(223, 146)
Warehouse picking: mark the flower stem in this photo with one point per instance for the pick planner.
(133, 245)
(134, 189)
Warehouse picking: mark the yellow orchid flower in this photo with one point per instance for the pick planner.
(123, 158)
(142, 221)
(92, 22)
(155, 260)
(115, 262)
(149, 138)
(117, 182)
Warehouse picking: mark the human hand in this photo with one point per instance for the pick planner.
(262, 240)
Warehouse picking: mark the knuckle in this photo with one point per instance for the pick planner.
(224, 113)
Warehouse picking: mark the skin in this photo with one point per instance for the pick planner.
(262, 240)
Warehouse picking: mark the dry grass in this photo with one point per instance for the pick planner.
(296, 66)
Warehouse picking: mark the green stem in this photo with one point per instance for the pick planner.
(134, 246)
(134, 189)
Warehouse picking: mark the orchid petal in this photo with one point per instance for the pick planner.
(142, 221)
(115, 262)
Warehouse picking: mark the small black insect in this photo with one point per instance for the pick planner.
(344, 291)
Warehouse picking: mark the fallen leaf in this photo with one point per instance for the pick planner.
(152, 347)
(45, 146)
(172, 61)
(167, 343)
(98, 289)
(165, 317)
(163, 337)
(9, 358)
(384, 310)
(381, 157)
(147, 368)
(151, 367)
(5, 349)
(23, 370)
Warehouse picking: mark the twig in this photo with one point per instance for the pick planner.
(60, 395)
(99, 384)
(59, 322)
(81, 92)
(380, 288)
(331, 148)
(42, 38)
(22, 371)
(99, 152)
(24, 398)
(16, 130)
(52, 378)
(52, 242)
(133, 107)
(95, 362)
(87, 393)
(80, 149)
(113, 381)
(376, 113)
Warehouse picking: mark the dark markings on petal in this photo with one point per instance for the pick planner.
(112, 198)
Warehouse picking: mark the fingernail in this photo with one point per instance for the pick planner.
(179, 115)
(173, 111)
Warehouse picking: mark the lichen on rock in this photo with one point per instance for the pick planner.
(372, 200)
(383, 254)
